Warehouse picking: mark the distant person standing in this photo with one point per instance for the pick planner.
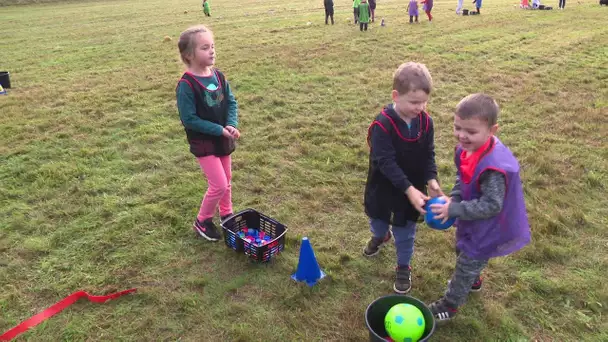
(562, 4)
(478, 5)
(372, 8)
(427, 7)
(459, 7)
(412, 8)
(356, 4)
(329, 10)
(364, 13)
(206, 8)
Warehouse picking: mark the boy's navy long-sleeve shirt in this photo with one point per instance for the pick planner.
(401, 156)
(384, 154)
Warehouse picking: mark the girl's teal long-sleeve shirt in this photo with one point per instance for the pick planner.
(187, 107)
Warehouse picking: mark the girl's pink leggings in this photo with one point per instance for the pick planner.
(218, 172)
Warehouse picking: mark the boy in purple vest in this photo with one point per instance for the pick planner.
(487, 200)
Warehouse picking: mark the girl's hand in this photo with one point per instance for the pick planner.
(226, 133)
(235, 132)
(441, 210)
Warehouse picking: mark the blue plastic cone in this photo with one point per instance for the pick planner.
(308, 267)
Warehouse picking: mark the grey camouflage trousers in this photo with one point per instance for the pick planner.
(466, 273)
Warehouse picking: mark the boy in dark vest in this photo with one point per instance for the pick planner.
(401, 167)
(487, 200)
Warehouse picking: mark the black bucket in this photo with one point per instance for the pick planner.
(5, 79)
(376, 311)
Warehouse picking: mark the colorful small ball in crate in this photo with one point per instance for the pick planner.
(404, 322)
(266, 240)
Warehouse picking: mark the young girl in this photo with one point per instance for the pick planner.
(412, 8)
(209, 113)
(428, 6)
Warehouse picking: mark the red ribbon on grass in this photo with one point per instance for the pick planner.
(57, 308)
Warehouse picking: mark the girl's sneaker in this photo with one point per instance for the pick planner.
(224, 217)
(207, 229)
(374, 244)
(442, 311)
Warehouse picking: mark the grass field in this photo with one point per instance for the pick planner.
(98, 190)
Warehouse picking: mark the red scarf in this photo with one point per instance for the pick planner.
(469, 163)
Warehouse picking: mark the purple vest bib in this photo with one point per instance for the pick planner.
(506, 232)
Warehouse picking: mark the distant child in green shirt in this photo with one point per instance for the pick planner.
(206, 8)
(364, 14)
(356, 4)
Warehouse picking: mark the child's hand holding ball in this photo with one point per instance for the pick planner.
(441, 209)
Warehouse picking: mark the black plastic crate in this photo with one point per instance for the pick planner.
(250, 218)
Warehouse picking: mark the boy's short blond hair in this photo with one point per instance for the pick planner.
(412, 76)
(480, 106)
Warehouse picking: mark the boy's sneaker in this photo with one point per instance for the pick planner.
(374, 244)
(442, 311)
(207, 229)
(403, 280)
(476, 287)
